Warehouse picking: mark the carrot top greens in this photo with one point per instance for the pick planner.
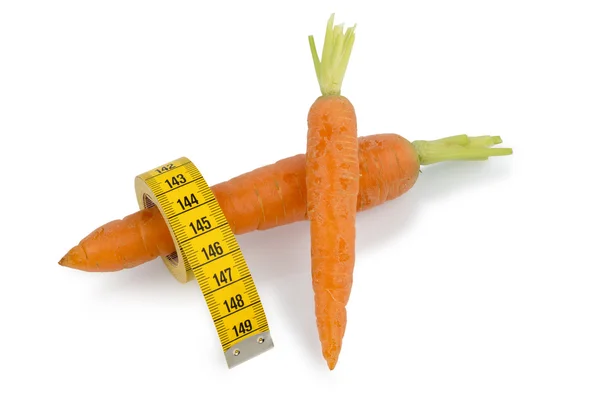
(337, 47)
(459, 148)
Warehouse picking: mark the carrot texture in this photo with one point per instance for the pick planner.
(123, 243)
(275, 195)
(332, 183)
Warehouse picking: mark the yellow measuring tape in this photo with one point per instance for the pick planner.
(207, 250)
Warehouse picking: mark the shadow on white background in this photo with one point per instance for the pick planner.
(279, 259)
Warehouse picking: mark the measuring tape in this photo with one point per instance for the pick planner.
(207, 250)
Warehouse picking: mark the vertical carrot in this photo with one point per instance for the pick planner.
(332, 184)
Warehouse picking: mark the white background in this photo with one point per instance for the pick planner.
(482, 282)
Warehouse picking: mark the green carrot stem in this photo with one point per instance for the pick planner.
(459, 148)
(337, 47)
(462, 140)
(484, 141)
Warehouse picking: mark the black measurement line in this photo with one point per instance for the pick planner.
(204, 187)
(189, 209)
(155, 186)
(195, 173)
(230, 283)
(208, 262)
(177, 187)
(197, 236)
(220, 219)
(246, 334)
(160, 173)
(214, 309)
(253, 297)
(205, 193)
(230, 314)
(192, 259)
(222, 333)
(263, 321)
(193, 169)
(204, 288)
(211, 302)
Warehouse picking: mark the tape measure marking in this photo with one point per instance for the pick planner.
(207, 249)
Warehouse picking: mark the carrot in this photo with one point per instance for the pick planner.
(123, 243)
(275, 195)
(332, 183)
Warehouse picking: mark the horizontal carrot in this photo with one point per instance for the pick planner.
(275, 195)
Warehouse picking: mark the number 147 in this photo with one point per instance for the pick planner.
(223, 277)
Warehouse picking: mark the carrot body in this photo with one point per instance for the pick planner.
(264, 198)
(332, 176)
(332, 184)
(123, 243)
(275, 195)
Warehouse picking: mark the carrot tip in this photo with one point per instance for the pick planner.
(331, 362)
(331, 354)
(75, 258)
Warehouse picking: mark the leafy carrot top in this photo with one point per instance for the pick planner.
(337, 47)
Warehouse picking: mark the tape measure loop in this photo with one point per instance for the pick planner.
(207, 251)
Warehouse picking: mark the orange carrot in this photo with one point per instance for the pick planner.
(123, 243)
(332, 183)
(275, 195)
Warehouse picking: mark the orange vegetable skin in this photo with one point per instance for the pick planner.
(332, 176)
(124, 243)
(267, 197)
(332, 183)
(275, 195)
